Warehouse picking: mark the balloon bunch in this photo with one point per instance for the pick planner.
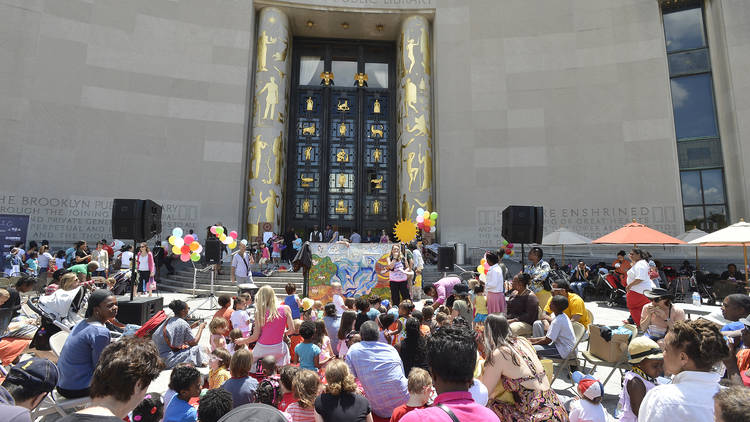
(483, 267)
(426, 220)
(187, 248)
(227, 239)
(508, 248)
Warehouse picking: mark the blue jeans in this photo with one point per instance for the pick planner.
(578, 287)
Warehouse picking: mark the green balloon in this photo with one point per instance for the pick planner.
(195, 257)
(219, 230)
(433, 216)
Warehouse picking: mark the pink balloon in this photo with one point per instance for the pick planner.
(486, 267)
(509, 246)
(213, 229)
(420, 219)
(189, 239)
(185, 257)
(233, 234)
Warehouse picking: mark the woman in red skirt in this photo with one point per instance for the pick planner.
(638, 281)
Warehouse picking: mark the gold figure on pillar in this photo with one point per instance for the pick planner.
(411, 169)
(422, 85)
(277, 156)
(271, 202)
(376, 207)
(405, 209)
(426, 162)
(272, 98)
(420, 126)
(308, 153)
(424, 46)
(256, 151)
(341, 207)
(376, 107)
(342, 156)
(342, 129)
(263, 41)
(410, 97)
(343, 179)
(426, 204)
(309, 102)
(306, 206)
(410, 52)
(280, 56)
(376, 155)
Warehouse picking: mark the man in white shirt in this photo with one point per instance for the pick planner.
(495, 285)
(316, 235)
(560, 339)
(241, 261)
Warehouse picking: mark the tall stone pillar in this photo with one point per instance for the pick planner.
(414, 117)
(270, 111)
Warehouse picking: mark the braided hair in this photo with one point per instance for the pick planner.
(701, 340)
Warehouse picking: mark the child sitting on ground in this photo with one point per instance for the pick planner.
(218, 327)
(305, 387)
(397, 330)
(647, 363)
(234, 335)
(420, 387)
(385, 321)
(424, 329)
(265, 368)
(150, 409)
(187, 382)
(428, 316)
(287, 378)
(307, 352)
(219, 364)
(589, 408)
(241, 385)
(560, 339)
(269, 392)
(240, 317)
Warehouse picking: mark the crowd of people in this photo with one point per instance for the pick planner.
(473, 350)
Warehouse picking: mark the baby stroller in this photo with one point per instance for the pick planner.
(616, 291)
(702, 282)
(677, 285)
(58, 311)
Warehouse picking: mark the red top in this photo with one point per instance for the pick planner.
(227, 315)
(286, 400)
(400, 411)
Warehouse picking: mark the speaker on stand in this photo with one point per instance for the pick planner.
(523, 224)
(446, 259)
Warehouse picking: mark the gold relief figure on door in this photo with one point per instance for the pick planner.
(263, 42)
(306, 206)
(308, 153)
(343, 180)
(376, 154)
(342, 156)
(341, 207)
(309, 130)
(309, 104)
(342, 106)
(306, 182)
(342, 129)
(376, 106)
(376, 130)
(377, 183)
(257, 148)
(376, 207)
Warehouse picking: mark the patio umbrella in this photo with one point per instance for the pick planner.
(635, 233)
(692, 235)
(738, 234)
(562, 237)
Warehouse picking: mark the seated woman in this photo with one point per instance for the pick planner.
(691, 349)
(175, 341)
(512, 365)
(84, 345)
(659, 315)
(523, 306)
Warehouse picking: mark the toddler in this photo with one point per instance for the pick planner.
(420, 387)
(308, 353)
(150, 409)
(305, 387)
(218, 327)
(589, 408)
(240, 317)
(292, 300)
(232, 347)
(219, 364)
(479, 302)
(294, 340)
(287, 378)
(186, 381)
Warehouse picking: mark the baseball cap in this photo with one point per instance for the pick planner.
(588, 386)
(36, 373)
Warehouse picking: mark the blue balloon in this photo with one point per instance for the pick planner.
(177, 232)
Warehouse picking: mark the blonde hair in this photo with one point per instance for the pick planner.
(338, 378)
(241, 363)
(218, 325)
(68, 281)
(305, 387)
(4, 293)
(418, 380)
(265, 301)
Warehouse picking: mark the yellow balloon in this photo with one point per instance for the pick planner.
(232, 245)
(176, 250)
(194, 246)
(222, 237)
(480, 269)
(171, 240)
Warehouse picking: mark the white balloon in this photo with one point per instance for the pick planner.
(179, 242)
(199, 250)
(432, 229)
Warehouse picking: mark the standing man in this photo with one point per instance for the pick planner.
(106, 247)
(101, 256)
(316, 235)
(241, 261)
(328, 234)
(355, 237)
(495, 285)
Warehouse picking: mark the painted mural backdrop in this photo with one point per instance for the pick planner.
(359, 267)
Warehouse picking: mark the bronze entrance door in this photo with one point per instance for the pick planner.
(341, 157)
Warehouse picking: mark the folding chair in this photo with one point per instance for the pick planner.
(622, 365)
(580, 331)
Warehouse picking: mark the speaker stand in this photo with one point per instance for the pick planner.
(523, 257)
(213, 303)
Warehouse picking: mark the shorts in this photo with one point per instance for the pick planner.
(262, 261)
(480, 318)
(275, 254)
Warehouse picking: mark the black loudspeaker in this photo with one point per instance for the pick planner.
(136, 219)
(523, 224)
(213, 250)
(138, 310)
(446, 258)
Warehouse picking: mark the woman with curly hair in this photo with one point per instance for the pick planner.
(691, 349)
(340, 401)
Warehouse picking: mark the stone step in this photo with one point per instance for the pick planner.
(205, 288)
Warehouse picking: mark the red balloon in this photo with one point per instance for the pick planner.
(185, 249)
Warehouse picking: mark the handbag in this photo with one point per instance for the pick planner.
(151, 283)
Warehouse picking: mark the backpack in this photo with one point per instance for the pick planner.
(151, 325)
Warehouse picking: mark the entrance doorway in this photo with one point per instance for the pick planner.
(341, 156)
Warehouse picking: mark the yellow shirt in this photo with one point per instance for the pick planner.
(480, 304)
(217, 376)
(575, 307)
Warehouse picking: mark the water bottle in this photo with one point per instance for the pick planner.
(696, 299)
